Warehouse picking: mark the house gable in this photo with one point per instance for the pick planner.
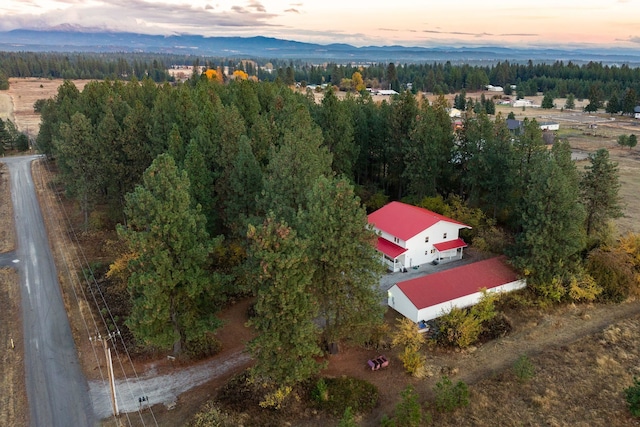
(405, 221)
(408, 235)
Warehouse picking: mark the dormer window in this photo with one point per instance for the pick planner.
(426, 239)
(444, 236)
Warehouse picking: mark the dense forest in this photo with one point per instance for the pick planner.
(593, 81)
(250, 188)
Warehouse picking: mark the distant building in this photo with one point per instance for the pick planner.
(492, 88)
(549, 126)
(454, 112)
(523, 103)
(636, 112)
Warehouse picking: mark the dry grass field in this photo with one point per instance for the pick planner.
(584, 356)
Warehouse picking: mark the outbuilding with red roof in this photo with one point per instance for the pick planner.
(410, 236)
(427, 297)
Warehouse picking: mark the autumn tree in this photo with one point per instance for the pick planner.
(358, 83)
(172, 294)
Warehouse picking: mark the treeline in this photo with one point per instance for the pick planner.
(559, 78)
(251, 187)
(85, 65)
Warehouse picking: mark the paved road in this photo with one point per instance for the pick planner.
(57, 390)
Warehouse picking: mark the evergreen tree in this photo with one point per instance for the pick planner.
(171, 293)
(629, 102)
(79, 162)
(347, 267)
(551, 223)
(245, 182)
(335, 120)
(287, 342)
(547, 101)
(613, 105)
(402, 119)
(428, 151)
(599, 187)
(408, 412)
(570, 103)
(294, 166)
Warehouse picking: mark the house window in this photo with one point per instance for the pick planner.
(433, 251)
(444, 236)
(426, 239)
(426, 252)
(396, 240)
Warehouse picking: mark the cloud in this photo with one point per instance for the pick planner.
(292, 10)
(257, 6)
(149, 18)
(477, 35)
(635, 39)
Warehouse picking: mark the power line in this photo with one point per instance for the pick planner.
(92, 285)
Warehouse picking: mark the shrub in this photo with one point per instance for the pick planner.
(449, 397)
(523, 368)
(321, 392)
(462, 327)
(211, 416)
(407, 335)
(361, 396)
(408, 411)
(348, 419)
(277, 398)
(632, 395)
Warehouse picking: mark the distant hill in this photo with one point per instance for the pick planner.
(72, 40)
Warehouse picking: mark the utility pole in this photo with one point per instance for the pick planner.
(107, 355)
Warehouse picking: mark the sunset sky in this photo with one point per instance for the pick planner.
(374, 22)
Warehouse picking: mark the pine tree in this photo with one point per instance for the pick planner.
(287, 342)
(171, 293)
(347, 267)
(599, 190)
(547, 101)
(79, 162)
(294, 166)
(551, 221)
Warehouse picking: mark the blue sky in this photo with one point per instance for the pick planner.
(374, 22)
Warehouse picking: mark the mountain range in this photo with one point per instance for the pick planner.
(73, 40)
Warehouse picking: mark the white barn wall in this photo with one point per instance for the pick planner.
(397, 300)
(429, 313)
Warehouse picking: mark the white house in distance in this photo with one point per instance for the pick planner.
(427, 297)
(410, 236)
(549, 126)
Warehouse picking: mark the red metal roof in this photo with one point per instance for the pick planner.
(447, 285)
(405, 221)
(390, 249)
(451, 244)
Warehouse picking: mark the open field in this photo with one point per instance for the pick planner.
(584, 356)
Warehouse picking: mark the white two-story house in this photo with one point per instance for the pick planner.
(410, 236)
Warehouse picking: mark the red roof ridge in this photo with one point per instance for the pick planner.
(405, 221)
(447, 285)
